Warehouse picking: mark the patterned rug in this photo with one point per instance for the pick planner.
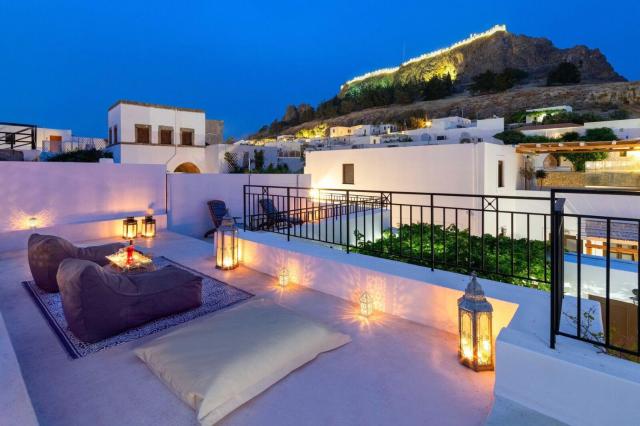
(216, 295)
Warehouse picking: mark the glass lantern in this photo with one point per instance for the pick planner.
(283, 277)
(129, 228)
(366, 304)
(227, 244)
(149, 227)
(474, 322)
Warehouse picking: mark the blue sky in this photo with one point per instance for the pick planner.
(65, 62)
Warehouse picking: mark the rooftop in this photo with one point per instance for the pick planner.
(150, 105)
(394, 370)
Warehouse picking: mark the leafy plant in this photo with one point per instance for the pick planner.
(232, 163)
(455, 250)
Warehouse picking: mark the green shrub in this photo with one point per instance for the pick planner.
(81, 156)
(455, 250)
(564, 73)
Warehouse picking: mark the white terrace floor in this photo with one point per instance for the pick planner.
(394, 372)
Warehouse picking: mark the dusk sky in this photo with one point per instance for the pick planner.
(64, 63)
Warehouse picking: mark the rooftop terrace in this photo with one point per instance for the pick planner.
(394, 372)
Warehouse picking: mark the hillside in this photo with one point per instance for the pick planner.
(597, 97)
(438, 83)
(494, 50)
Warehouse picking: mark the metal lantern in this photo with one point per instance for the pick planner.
(33, 222)
(366, 304)
(129, 228)
(227, 244)
(149, 227)
(474, 324)
(283, 277)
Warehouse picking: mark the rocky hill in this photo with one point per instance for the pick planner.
(583, 97)
(382, 95)
(494, 50)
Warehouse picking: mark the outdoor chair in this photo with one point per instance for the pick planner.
(98, 304)
(217, 210)
(46, 252)
(276, 218)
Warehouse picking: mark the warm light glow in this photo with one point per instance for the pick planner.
(33, 222)
(129, 228)
(470, 39)
(466, 339)
(149, 227)
(120, 259)
(227, 245)
(366, 304)
(314, 194)
(283, 277)
(474, 322)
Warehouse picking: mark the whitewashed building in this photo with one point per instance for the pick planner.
(142, 133)
(537, 115)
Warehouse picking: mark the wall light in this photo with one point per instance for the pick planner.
(33, 222)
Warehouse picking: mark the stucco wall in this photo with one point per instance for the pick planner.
(66, 194)
(189, 193)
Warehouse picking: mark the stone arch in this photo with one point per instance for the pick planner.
(550, 162)
(187, 167)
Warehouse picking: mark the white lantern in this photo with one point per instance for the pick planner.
(474, 322)
(366, 304)
(227, 244)
(283, 277)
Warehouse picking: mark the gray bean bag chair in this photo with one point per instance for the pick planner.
(98, 304)
(45, 253)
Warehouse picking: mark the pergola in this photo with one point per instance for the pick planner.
(16, 135)
(578, 146)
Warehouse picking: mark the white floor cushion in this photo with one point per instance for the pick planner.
(219, 362)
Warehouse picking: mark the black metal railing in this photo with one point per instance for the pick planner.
(596, 270)
(589, 262)
(500, 237)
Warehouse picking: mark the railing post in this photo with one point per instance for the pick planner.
(557, 265)
(433, 249)
(289, 214)
(244, 207)
(348, 223)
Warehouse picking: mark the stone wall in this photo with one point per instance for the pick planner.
(629, 180)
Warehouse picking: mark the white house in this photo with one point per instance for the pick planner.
(624, 129)
(454, 130)
(537, 115)
(142, 133)
(361, 130)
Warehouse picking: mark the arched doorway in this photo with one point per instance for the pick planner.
(187, 168)
(550, 162)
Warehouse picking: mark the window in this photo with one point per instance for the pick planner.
(143, 133)
(348, 174)
(500, 174)
(165, 135)
(441, 138)
(115, 134)
(110, 137)
(186, 137)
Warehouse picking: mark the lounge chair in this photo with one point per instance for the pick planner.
(98, 304)
(46, 252)
(276, 218)
(217, 210)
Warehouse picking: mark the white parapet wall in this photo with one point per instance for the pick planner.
(79, 201)
(576, 383)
